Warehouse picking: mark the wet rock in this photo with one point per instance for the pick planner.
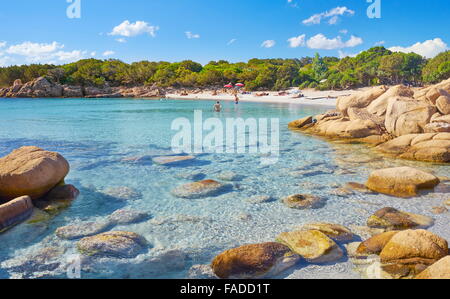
(123, 193)
(30, 171)
(229, 176)
(81, 230)
(439, 270)
(300, 123)
(312, 245)
(58, 199)
(121, 217)
(15, 211)
(191, 176)
(375, 244)
(258, 199)
(413, 247)
(393, 219)
(201, 272)
(301, 201)
(115, 244)
(341, 192)
(254, 261)
(336, 232)
(172, 160)
(401, 181)
(201, 189)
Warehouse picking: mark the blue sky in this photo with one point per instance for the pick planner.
(202, 30)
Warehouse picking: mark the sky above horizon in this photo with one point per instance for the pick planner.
(174, 30)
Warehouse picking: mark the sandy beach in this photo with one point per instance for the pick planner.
(311, 97)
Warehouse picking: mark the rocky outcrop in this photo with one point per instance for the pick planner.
(15, 211)
(44, 87)
(254, 261)
(407, 116)
(30, 171)
(401, 181)
(384, 117)
(431, 147)
(337, 232)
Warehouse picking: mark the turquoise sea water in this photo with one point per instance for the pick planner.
(97, 137)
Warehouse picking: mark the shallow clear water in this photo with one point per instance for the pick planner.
(95, 136)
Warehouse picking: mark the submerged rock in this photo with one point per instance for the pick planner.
(172, 160)
(30, 171)
(312, 245)
(301, 201)
(336, 232)
(15, 211)
(201, 189)
(401, 181)
(229, 176)
(439, 270)
(254, 261)
(393, 219)
(81, 230)
(128, 217)
(58, 199)
(123, 193)
(117, 244)
(201, 272)
(361, 188)
(258, 199)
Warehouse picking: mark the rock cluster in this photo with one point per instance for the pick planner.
(408, 123)
(44, 87)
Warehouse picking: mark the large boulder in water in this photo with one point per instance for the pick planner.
(15, 211)
(407, 116)
(401, 181)
(30, 171)
(254, 261)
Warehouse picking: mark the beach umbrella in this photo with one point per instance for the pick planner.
(228, 86)
(240, 85)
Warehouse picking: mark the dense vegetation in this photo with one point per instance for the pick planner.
(372, 67)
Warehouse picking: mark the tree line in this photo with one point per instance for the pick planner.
(375, 66)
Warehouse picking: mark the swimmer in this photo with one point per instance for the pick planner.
(217, 107)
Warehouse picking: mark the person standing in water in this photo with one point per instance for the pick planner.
(217, 107)
(236, 99)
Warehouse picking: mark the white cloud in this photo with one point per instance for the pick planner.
(121, 40)
(93, 53)
(268, 44)
(343, 54)
(191, 35)
(380, 43)
(295, 42)
(128, 29)
(2, 44)
(232, 41)
(331, 15)
(428, 48)
(44, 52)
(343, 31)
(320, 41)
(108, 53)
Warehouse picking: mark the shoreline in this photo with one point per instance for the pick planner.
(311, 97)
